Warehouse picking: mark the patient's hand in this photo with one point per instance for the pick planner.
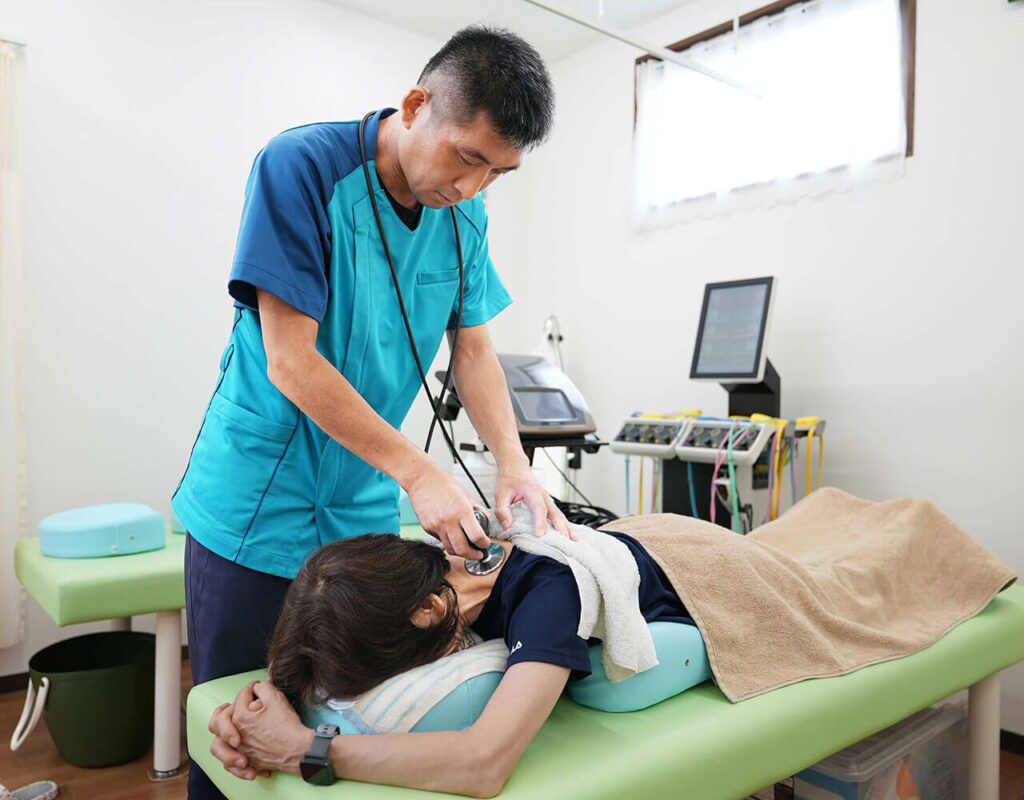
(259, 732)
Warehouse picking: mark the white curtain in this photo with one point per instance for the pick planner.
(13, 481)
(831, 113)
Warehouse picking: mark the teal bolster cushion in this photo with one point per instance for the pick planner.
(682, 663)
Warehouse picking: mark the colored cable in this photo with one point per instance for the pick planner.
(777, 471)
(627, 486)
(810, 447)
(772, 482)
(718, 465)
(740, 436)
(693, 492)
(654, 485)
(794, 454)
(732, 490)
(821, 457)
(732, 436)
(640, 494)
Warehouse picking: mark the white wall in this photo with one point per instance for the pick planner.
(140, 123)
(898, 316)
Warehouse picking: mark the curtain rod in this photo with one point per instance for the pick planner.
(662, 53)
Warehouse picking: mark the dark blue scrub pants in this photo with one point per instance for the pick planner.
(231, 611)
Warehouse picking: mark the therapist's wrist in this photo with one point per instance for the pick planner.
(511, 458)
(414, 468)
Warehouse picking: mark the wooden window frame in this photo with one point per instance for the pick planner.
(908, 26)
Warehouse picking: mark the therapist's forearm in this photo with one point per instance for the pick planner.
(480, 382)
(327, 398)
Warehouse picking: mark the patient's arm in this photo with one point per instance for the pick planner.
(474, 762)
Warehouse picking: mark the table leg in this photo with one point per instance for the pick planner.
(167, 698)
(983, 739)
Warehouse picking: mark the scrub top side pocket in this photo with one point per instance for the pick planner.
(234, 461)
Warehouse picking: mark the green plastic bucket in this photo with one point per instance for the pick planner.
(98, 696)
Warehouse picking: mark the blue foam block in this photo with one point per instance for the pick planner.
(107, 530)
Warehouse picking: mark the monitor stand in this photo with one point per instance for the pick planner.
(756, 398)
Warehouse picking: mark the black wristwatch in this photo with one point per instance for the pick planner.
(315, 766)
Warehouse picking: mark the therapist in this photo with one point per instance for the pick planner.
(299, 444)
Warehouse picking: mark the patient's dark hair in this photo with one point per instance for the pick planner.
(346, 627)
(491, 70)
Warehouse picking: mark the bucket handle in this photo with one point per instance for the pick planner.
(33, 704)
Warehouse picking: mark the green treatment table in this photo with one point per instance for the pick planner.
(73, 590)
(698, 745)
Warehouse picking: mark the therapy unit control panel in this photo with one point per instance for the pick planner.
(650, 435)
(705, 440)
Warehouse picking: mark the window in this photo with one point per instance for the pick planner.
(835, 79)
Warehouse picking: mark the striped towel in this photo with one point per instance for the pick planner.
(397, 704)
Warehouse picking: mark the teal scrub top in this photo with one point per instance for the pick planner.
(264, 485)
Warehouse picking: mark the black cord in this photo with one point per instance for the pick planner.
(573, 485)
(401, 304)
(579, 514)
(455, 342)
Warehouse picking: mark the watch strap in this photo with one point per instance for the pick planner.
(322, 741)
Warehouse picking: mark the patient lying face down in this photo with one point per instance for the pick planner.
(364, 609)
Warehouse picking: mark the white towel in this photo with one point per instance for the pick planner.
(396, 705)
(608, 581)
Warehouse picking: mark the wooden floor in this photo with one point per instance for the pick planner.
(37, 759)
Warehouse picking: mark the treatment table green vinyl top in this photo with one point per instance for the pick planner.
(698, 745)
(73, 590)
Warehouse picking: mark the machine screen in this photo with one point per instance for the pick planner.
(545, 405)
(732, 326)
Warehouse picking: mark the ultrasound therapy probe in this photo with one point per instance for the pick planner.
(491, 558)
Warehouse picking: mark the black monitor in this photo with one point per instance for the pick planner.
(732, 332)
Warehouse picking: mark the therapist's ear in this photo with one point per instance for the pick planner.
(430, 612)
(414, 102)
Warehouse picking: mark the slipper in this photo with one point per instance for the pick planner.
(41, 790)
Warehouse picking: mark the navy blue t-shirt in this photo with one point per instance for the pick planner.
(535, 608)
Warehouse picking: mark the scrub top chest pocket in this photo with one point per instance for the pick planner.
(428, 277)
(237, 453)
(440, 288)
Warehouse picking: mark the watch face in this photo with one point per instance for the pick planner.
(318, 774)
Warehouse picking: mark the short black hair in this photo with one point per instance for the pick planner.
(491, 70)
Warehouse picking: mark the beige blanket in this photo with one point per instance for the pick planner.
(833, 585)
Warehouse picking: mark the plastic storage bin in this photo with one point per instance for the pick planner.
(924, 757)
(96, 694)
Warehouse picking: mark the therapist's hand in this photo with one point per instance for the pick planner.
(258, 733)
(518, 483)
(444, 508)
